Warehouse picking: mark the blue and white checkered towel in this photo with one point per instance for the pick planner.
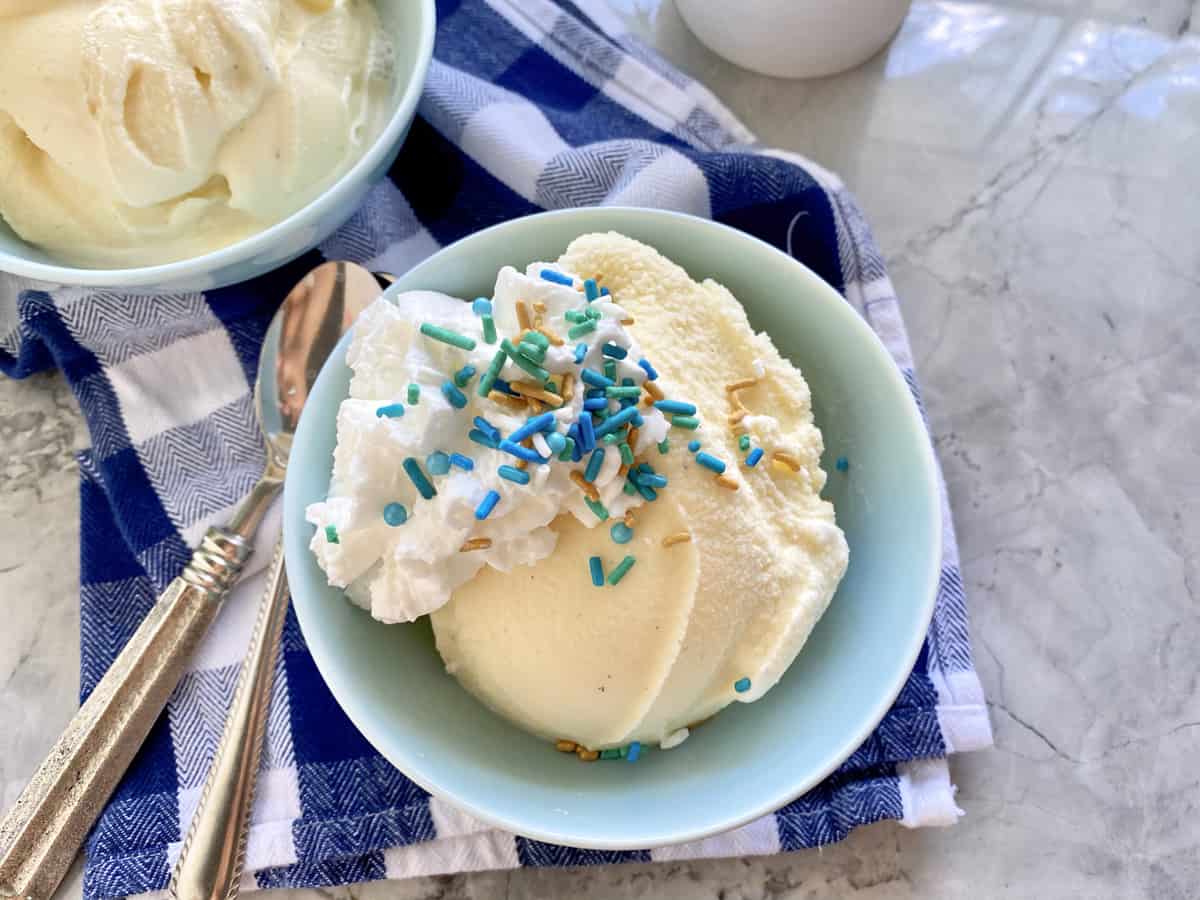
(529, 105)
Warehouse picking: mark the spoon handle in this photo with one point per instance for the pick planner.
(210, 863)
(45, 829)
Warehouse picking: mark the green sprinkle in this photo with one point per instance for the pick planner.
(578, 331)
(610, 369)
(414, 394)
(532, 351)
(744, 443)
(527, 364)
(626, 454)
(575, 315)
(492, 373)
(537, 338)
(613, 437)
(446, 336)
(621, 533)
(464, 375)
(691, 423)
(420, 482)
(614, 753)
(597, 507)
(568, 451)
(489, 330)
(630, 488)
(623, 393)
(331, 534)
(593, 313)
(664, 445)
(622, 567)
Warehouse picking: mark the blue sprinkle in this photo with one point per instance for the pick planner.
(842, 464)
(556, 277)
(710, 462)
(648, 492)
(487, 504)
(395, 514)
(512, 473)
(590, 291)
(594, 463)
(621, 533)
(638, 421)
(580, 353)
(603, 292)
(614, 351)
(594, 379)
(596, 567)
(556, 442)
(693, 446)
(487, 428)
(391, 411)
(675, 407)
(615, 421)
(504, 387)
(593, 403)
(742, 685)
(633, 752)
(484, 440)
(464, 375)
(454, 396)
(587, 433)
(437, 462)
(463, 462)
(482, 307)
(654, 481)
(542, 422)
(413, 468)
(593, 393)
(651, 372)
(755, 455)
(520, 452)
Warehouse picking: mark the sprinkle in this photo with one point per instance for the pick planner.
(628, 320)
(577, 331)
(557, 442)
(511, 473)
(742, 685)
(586, 486)
(603, 292)
(664, 446)
(565, 746)
(614, 351)
(736, 417)
(395, 514)
(464, 375)
(556, 277)
(630, 488)
(523, 320)
(486, 505)
(842, 464)
(414, 394)
(532, 351)
(693, 446)
(489, 330)
(726, 482)
(391, 411)
(676, 407)
(543, 422)
(587, 433)
(654, 391)
(744, 443)
(566, 387)
(525, 363)
(648, 492)
(691, 423)
(511, 401)
(587, 755)
(632, 436)
(413, 468)
(437, 462)
(621, 533)
(755, 455)
(475, 544)
(615, 421)
(568, 449)
(575, 316)
(482, 306)
(487, 428)
(595, 403)
(514, 449)
(483, 439)
(533, 392)
(593, 466)
(590, 291)
(619, 572)
(734, 386)
(598, 508)
(610, 370)
(651, 372)
(453, 395)
(679, 537)
(787, 459)
(596, 567)
(592, 378)
(611, 753)
(626, 453)
(654, 480)
(628, 518)
(633, 752)
(580, 351)
(539, 307)
(594, 314)
(710, 462)
(463, 462)
(623, 393)
(331, 534)
(446, 336)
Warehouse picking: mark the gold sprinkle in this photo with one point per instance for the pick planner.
(566, 387)
(475, 544)
(505, 400)
(539, 306)
(521, 464)
(631, 438)
(535, 392)
(627, 321)
(653, 390)
(623, 471)
(523, 321)
(584, 485)
(726, 482)
(679, 537)
(787, 459)
(554, 339)
(628, 520)
(565, 746)
(734, 386)
(734, 418)
(588, 755)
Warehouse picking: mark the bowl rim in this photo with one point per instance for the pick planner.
(196, 266)
(324, 651)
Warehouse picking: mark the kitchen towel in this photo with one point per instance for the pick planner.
(529, 105)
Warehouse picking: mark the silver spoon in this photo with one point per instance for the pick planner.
(41, 835)
(210, 862)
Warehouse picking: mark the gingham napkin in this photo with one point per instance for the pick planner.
(529, 105)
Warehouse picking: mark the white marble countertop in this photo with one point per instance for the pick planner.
(1031, 172)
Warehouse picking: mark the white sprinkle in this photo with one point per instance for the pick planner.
(674, 739)
(540, 445)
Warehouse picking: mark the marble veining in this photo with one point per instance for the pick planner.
(1030, 170)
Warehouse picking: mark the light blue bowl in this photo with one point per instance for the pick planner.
(411, 24)
(750, 759)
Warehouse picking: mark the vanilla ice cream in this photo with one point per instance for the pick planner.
(714, 553)
(136, 132)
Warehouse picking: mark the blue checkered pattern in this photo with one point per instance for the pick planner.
(529, 105)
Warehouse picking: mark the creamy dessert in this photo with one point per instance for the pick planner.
(136, 132)
(602, 484)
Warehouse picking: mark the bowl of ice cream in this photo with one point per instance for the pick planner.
(200, 144)
(622, 483)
